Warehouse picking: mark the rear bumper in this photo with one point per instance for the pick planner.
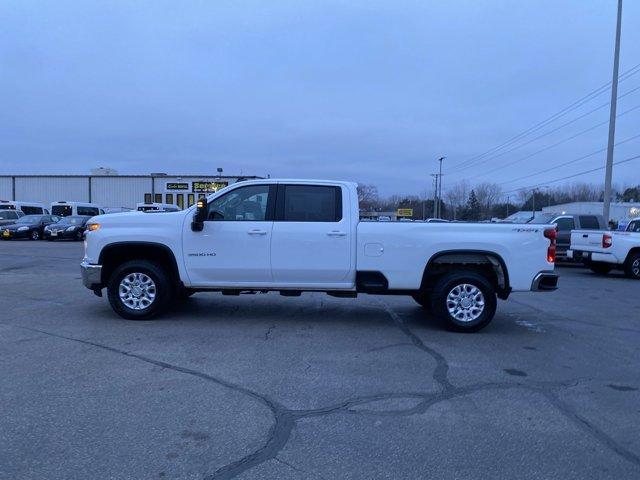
(584, 256)
(544, 282)
(91, 275)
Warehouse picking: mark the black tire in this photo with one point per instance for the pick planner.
(183, 294)
(164, 291)
(455, 279)
(423, 299)
(632, 266)
(600, 268)
(34, 235)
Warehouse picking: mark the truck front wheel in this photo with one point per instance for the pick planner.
(465, 300)
(139, 290)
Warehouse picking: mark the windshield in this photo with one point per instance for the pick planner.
(544, 218)
(73, 220)
(29, 219)
(8, 215)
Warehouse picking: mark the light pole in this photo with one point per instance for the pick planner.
(612, 121)
(440, 187)
(435, 195)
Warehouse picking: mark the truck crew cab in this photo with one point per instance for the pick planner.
(296, 236)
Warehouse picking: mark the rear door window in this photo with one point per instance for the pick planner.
(61, 210)
(32, 210)
(589, 222)
(565, 224)
(90, 211)
(310, 203)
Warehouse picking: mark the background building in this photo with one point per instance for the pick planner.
(113, 190)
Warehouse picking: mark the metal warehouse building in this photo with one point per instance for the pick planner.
(113, 190)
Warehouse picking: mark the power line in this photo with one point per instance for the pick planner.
(549, 147)
(564, 164)
(574, 175)
(578, 103)
(484, 160)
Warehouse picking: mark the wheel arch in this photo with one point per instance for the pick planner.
(631, 252)
(117, 253)
(490, 264)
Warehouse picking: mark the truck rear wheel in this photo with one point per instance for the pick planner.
(465, 300)
(632, 266)
(600, 268)
(139, 290)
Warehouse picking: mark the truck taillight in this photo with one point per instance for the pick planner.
(606, 240)
(551, 234)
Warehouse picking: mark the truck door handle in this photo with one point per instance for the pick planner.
(336, 233)
(257, 231)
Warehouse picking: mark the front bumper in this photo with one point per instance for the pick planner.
(91, 275)
(14, 234)
(63, 234)
(544, 282)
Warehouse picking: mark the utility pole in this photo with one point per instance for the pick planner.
(435, 195)
(612, 121)
(440, 188)
(508, 201)
(533, 200)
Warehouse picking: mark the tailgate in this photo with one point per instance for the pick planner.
(587, 240)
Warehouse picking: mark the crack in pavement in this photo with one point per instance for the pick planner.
(285, 419)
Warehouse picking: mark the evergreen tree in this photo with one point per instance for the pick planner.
(473, 209)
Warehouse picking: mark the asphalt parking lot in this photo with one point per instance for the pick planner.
(313, 387)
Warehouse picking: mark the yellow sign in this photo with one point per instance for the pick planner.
(405, 212)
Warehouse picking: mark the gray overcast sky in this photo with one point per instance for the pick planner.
(372, 91)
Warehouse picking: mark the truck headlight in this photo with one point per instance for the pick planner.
(92, 227)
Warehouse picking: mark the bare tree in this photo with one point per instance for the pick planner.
(487, 194)
(458, 194)
(368, 197)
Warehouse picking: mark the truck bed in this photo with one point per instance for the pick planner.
(400, 250)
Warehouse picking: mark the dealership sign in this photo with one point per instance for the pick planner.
(207, 187)
(178, 186)
(405, 212)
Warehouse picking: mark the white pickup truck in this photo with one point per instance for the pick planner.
(603, 251)
(294, 236)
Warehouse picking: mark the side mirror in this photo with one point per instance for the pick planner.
(200, 216)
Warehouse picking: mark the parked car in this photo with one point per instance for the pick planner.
(27, 208)
(28, 226)
(436, 220)
(242, 239)
(66, 209)
(7, 217)
(72, 227)
(565, 223)
(603, 251)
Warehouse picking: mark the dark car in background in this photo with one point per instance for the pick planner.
(8, 217)
(565, 222)
(71, 228)
(28, 226)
